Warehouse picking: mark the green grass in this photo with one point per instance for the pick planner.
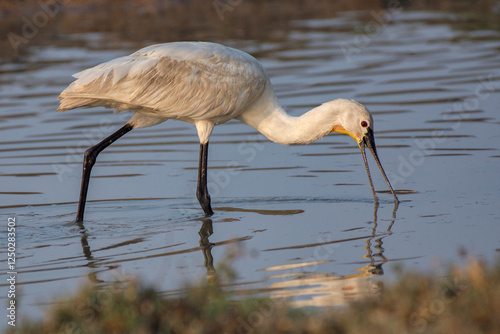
(466, 300)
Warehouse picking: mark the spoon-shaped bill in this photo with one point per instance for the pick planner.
(369, 141)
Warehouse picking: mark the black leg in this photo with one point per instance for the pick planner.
(89, 161)
(202, 191)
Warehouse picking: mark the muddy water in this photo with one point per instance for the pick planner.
(301, 218)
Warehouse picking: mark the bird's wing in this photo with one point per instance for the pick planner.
(187, 81)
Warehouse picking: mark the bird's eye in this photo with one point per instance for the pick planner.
(364, 124)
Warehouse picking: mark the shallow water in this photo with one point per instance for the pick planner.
(302, 218)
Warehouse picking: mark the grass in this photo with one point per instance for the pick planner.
(466, 300)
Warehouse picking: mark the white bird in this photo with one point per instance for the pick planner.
(205, 84)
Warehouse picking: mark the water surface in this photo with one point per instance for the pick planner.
(301, 217)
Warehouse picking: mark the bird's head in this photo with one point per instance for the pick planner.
(353, 120)
(356, 121)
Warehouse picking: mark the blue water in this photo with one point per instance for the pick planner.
(298, 221)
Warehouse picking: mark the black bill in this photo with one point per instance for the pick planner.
(369, 141)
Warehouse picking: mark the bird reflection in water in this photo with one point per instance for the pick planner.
(304, 287)
(87, 252)
(375, 268)
(207, 230)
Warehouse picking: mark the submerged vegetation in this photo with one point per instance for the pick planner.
(466, 300)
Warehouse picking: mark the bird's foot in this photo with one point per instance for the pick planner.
(204, 200)
(208, 211)
(76, 222)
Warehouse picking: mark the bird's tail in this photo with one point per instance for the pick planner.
(68, 103)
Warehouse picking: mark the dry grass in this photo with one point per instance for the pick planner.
(466, 300)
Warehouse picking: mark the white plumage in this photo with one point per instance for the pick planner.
(205, 84)
(191, 82)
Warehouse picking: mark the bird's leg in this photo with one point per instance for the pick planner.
(202, 191)
(89, 161)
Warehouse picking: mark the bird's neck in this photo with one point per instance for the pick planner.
(272, 121)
